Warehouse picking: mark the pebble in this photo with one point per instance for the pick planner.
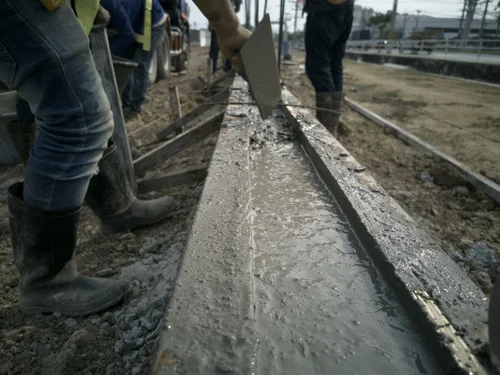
(426, 177)
(106, 272)
(137, 370)
(104, 325)
(470, 205)
(402, 196)
(95, 321)
(461, 191)
(56, 315)
(487, 205)
(70, 322)
(6, 367)
(149, 244)
(484, 280)
(456, 256)
(481, 254)
(71, 351)
(127, 236)
(118, 346)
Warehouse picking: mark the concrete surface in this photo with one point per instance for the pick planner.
(276, 280)
(476, 70)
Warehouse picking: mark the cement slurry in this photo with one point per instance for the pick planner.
(321, 306)
(274, 279)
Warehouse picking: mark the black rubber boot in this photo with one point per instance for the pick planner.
(113, 201)
(43, 244)
(332, 102)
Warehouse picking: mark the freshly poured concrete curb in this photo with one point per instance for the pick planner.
(450, 307)
(210, 323)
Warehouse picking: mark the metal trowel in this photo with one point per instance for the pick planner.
(259, 60)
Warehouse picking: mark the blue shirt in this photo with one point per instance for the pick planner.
(127, 17)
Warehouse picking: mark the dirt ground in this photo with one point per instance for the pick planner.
(120, 341)
(443, 204)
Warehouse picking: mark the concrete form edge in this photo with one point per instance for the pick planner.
(482, 183)
(453, 330)
(217, 255)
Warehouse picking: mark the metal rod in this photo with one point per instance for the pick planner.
(280, 37)
(257, 18)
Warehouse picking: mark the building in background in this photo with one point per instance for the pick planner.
(406, 24)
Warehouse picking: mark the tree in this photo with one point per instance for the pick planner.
(381, 20)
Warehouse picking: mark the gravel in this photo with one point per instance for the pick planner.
(122, 340)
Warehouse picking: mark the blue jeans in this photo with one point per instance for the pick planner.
(326, 35)
(134, 95)
(214, 54)
(45, 56)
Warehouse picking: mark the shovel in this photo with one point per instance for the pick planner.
(259, 61)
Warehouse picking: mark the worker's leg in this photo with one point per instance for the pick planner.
(45, 56)
(141, 76)
(345, 19)
(319, 38)
(214, 51)
(55, 73)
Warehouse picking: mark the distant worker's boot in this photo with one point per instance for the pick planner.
(329, 108)
(44, 245)
(111, 198)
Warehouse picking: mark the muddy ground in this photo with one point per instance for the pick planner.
(120, 341)
(464, 221)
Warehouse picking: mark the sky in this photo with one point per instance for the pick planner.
(437, 8)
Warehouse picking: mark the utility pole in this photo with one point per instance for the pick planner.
(461, 27)
(257, 18)
(418, 19)
(295, 21)
(393, 17)
(280, 35)
(471, 9)
(403, 31)
(247, 13)
(484, 19)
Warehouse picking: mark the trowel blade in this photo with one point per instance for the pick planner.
(259, 60)
(494, 325)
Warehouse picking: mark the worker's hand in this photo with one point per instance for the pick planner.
(102, 17)
(230, 42)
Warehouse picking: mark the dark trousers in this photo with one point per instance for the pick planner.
(214, 54)
(326, 36)
(135, 92)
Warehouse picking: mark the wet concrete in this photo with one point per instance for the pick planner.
(321, 307)
(275, 281)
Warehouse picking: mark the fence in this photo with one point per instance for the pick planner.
(479, 49)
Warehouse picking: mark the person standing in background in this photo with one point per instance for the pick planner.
(128, 18)
(214, 45)
(328, 26)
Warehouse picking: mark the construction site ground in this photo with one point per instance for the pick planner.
(121, 341)
(459, 118)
